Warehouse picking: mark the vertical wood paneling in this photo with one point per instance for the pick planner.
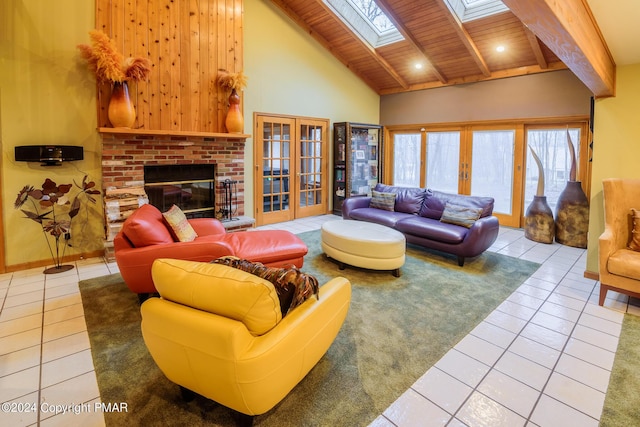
(153, 84)
(142, 48)
(187, 41)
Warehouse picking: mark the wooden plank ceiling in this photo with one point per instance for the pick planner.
(451, 52)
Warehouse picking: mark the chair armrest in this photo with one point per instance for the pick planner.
(207, 226)
(606, 247)
(354, 203)
(197, 250)
(482, 234)
(135, 263)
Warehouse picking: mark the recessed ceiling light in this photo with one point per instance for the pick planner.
(500, 48)
(418, 66)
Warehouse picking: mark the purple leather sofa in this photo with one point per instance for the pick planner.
(417, 213)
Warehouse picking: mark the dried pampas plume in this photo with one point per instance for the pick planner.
(230, 81)
(108, 64)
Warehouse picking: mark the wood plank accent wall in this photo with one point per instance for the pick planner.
(188, 42)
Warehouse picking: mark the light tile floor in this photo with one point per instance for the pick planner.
(542, 358)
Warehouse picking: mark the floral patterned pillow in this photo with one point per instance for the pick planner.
(179, 224)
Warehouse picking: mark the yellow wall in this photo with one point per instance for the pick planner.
(47, 97)
(291, 74)
(616, 147)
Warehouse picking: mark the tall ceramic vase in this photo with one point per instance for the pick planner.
(539, 224)
(121, 111)
(234, 121)
(572, 210)
(572, 216)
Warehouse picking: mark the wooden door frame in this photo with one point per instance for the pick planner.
(294, 185)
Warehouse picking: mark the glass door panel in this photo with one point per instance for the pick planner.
(290, 168)
(443, 157)
(492, 168)
(407, 152)
(311, 174)
(276, 170)
(552, 149)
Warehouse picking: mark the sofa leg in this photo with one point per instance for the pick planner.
(603, 293)
(396, 272)
(187, 395)
(461, 261)
(243, 420)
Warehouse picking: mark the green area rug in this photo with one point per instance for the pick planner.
(395, 330)
(622, 403)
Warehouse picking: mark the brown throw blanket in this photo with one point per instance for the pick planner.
(292, 285)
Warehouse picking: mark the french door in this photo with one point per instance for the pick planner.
(290, 168)
(480, 161)
(491, 160)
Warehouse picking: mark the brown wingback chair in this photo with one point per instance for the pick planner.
(619, 266)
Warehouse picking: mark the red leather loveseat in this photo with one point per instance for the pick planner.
(145, 236)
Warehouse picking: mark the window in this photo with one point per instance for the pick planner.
(367, 20)
(468, 10)
(552, 149)
(406, 152)
(491, 159)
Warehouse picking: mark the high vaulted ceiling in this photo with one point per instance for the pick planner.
(537, 35)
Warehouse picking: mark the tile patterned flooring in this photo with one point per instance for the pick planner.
(542, 358)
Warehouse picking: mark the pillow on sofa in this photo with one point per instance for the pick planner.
(408, 199)
(634, 244)
(179, 225)
(292, 286)
(384, 201)
(460, 215)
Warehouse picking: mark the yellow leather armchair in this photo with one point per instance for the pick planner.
(619, 267)
(218, 331)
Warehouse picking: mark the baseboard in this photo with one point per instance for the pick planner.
(591, 275)
(49, 262)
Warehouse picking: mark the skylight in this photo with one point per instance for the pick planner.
(366, 19)
(468, 10)
(376, 17)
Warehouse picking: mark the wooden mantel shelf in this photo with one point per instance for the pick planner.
(214, 135)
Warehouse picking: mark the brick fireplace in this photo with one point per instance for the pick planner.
(125, 155)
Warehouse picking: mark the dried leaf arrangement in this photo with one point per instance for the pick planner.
(108, 64)
(54, 210)
(232, 81)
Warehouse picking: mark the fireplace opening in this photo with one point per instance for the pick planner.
(190, 187)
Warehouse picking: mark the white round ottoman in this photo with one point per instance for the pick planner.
(364, 244)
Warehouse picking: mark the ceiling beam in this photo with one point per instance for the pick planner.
(465, 37)
(384, 5)
(537, 49)
(569, 29)
(514, 72)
